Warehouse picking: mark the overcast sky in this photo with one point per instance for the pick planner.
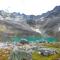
(35, 7)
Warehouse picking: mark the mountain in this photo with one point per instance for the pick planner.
(52, 22)
(53, 19)
(47, 24)
(15, 23)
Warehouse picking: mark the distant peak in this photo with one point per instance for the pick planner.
(57, 8)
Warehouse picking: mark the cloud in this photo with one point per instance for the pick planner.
(29, 6)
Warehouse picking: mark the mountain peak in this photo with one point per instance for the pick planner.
(57, 8)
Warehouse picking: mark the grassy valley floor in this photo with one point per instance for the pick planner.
(37, 56)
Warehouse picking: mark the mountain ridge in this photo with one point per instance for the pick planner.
(45, 23)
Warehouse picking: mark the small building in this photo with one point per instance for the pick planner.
(24, 41)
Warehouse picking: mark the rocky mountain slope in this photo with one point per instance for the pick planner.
(47, 24)
(52, 22)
